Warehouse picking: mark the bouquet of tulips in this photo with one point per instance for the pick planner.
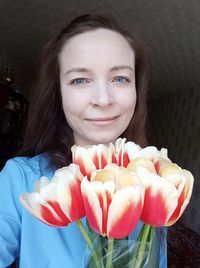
(116, 187)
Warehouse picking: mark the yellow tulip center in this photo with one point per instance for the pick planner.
(120, 176)
(141, 161)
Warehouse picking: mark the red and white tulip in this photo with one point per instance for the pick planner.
(113, 201)
(57, 202)
(125, 152)
(182, 180)
(93, 157)
(168, 190)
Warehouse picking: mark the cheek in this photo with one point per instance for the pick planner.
(128, 102)
(67, 105)
(70, 114)
(69, 110)
(73, 105)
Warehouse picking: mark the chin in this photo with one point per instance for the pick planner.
(104, 139)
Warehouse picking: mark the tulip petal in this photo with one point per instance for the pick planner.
(161, 198)
(51, 217)
(125, 151)
(183, 181)
(103, 175)
(184, 198)
(93, 157)
(160, 164)
(43, 210)
(42, 182)
(93, 196)
(48, 192)
(119, 144)
(124, 211)
(25, 201)
(133, 149)
(83, 159)
(141, 161)
(69, 192)
(148, 152)
(99, 155)
(123, 176)
(44, 204)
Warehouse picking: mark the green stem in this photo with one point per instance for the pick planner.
(89, 242)
(154, 249)
(109, 253)
(144, 233)
(142, 239)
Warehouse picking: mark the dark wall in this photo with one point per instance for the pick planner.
(174, 123)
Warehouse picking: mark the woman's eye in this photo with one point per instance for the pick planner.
(78, 81)
(121, 79)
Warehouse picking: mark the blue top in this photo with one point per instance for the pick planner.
(24, 237)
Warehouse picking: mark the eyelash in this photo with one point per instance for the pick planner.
(127, 80)
(73, 82)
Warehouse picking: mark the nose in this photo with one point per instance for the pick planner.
(101, 95)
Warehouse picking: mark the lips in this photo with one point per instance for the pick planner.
(102, 121)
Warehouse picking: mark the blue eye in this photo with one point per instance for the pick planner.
(78, 81)
(121, 79)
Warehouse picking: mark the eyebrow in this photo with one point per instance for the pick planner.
(85, 70)
(77, 70)
(121, 67)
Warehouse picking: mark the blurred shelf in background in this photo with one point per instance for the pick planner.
(13, 116)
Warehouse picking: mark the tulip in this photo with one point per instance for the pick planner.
(113, 201)
(182, 180)
(92, 157)
(57, 202)
(125, 152)
(168, 189)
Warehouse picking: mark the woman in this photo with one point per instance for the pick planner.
(91, 89)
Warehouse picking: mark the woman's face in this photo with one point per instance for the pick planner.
(97, 78)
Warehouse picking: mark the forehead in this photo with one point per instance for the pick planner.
(101, 46)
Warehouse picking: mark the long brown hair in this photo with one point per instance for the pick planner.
(47, 129)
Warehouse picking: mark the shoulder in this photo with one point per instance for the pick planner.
(36, 163)
(26, 170)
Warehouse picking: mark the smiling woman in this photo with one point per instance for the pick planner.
(103, 91)
(92, 53)
(91, 89)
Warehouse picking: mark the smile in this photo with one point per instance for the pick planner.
(104, 121)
